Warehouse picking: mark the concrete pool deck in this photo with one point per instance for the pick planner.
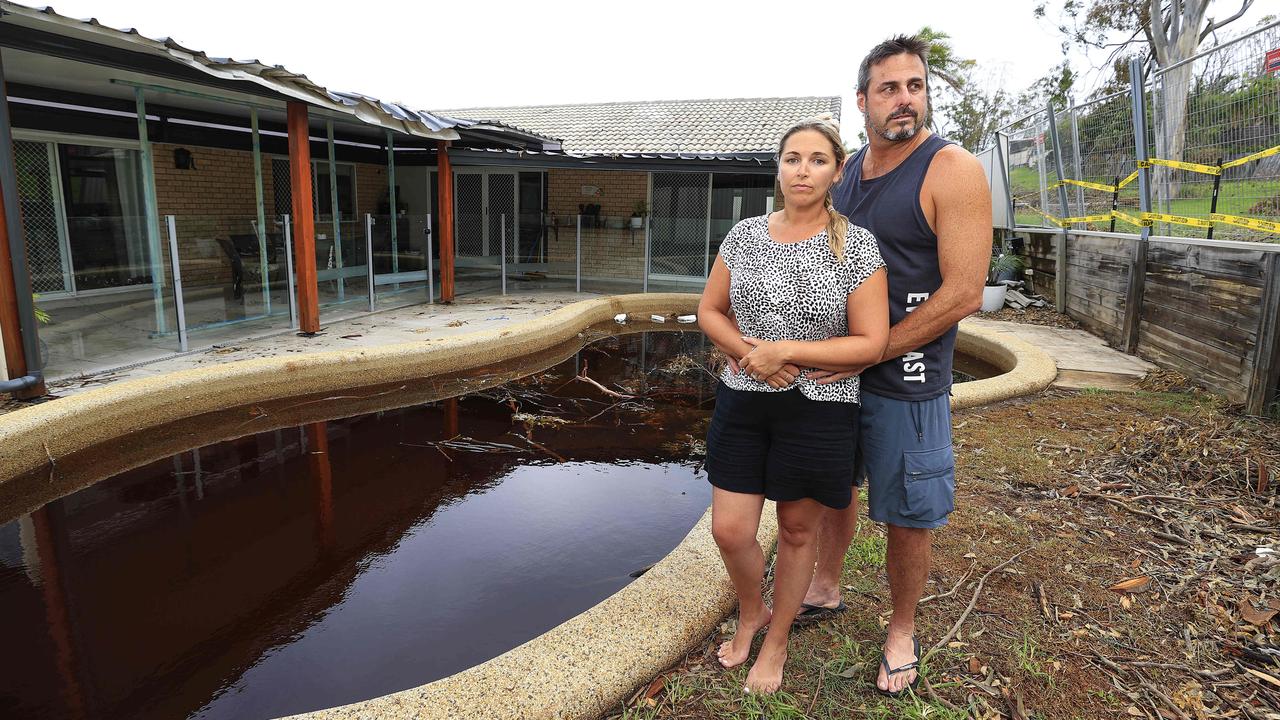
(581, 668)
(1082, 359)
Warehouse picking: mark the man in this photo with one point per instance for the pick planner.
(927, 203)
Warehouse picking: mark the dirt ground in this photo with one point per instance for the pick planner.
(1113, 555)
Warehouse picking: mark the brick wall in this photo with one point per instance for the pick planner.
(216, 199)
(608, 251)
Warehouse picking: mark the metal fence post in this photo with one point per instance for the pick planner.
(171, 226)
(431, 269)
(368, 249)
(1060, 283)
(288, 272)
(1076, 157)
(577, 258)
(1138, 270)
(502, 250)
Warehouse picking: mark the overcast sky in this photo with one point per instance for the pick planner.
(491, 52)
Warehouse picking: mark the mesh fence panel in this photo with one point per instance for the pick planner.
(1219, 107)
(1029, 155)
(1106, 157)
(38, 203)
(679, 224)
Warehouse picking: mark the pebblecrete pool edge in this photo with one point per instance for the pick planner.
(581, 668)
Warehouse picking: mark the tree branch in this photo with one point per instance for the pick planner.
(1214, 25)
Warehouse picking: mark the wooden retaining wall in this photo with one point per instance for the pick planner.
(1208, 309)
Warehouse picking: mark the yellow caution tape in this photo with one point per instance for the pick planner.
(1132, 176)
(1250, 158)
(1140, 222)
(1086, 219)
(1178, 164)
(1254, 223)
(1176, 219)
(1089, 185)
(1047, 216)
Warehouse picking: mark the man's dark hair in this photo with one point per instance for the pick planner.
(887, 49)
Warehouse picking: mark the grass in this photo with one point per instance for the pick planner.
(1030, 659)
(1004, 508)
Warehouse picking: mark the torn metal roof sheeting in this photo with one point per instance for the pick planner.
(295, 86)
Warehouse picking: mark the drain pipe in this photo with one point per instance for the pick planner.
(17, 385)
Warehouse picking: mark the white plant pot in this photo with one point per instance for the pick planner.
(993, 297)
(637, 222)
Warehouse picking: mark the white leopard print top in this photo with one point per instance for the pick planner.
(794, 291)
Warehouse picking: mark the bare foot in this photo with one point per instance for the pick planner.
(734, 651)
(822, 598)
(899, 650)
(765, 676)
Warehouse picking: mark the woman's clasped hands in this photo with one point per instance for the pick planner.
(768, 362)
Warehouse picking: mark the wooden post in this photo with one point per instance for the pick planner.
(15, 361)
(444, 186)
(1266, 371)
(304, 220)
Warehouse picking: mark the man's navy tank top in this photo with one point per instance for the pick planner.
(889, 206)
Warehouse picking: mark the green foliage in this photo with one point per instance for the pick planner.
(42, 316)
(1004, 263)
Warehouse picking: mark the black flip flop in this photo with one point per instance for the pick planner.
(810, 614)
(913, 665)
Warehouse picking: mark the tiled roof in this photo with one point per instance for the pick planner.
(726, 126)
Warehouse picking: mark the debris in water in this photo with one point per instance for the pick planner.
(620, 318)
(686, 319)
(657, 318)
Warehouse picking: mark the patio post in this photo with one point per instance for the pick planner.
(334, 213)
(444, 182)
(17, 309)
(304, 235)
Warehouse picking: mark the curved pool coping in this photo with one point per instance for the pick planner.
(581, 668)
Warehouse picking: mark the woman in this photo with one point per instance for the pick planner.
(799, 288)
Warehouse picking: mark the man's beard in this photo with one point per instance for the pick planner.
(898, 135)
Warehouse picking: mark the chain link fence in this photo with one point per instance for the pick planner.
(1212, 129)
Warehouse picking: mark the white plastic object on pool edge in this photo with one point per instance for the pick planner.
(686, 319)
(620, 318)
(657, 318)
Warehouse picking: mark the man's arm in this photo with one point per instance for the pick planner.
(962, 222)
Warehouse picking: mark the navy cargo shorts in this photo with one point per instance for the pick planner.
(904, 453)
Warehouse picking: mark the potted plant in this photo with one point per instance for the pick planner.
(637, 217)
(1002, 265)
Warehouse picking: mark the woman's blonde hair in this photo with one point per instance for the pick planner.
(837, 224)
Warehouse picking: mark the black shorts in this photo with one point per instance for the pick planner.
(782, 445)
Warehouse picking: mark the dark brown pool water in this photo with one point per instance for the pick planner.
(351, 555)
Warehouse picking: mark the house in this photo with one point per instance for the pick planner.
(158, 199)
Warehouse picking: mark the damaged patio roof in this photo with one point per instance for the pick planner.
(41, 24)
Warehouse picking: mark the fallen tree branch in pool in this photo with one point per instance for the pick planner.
(468, 444)
(554, 455)
(603, 389)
